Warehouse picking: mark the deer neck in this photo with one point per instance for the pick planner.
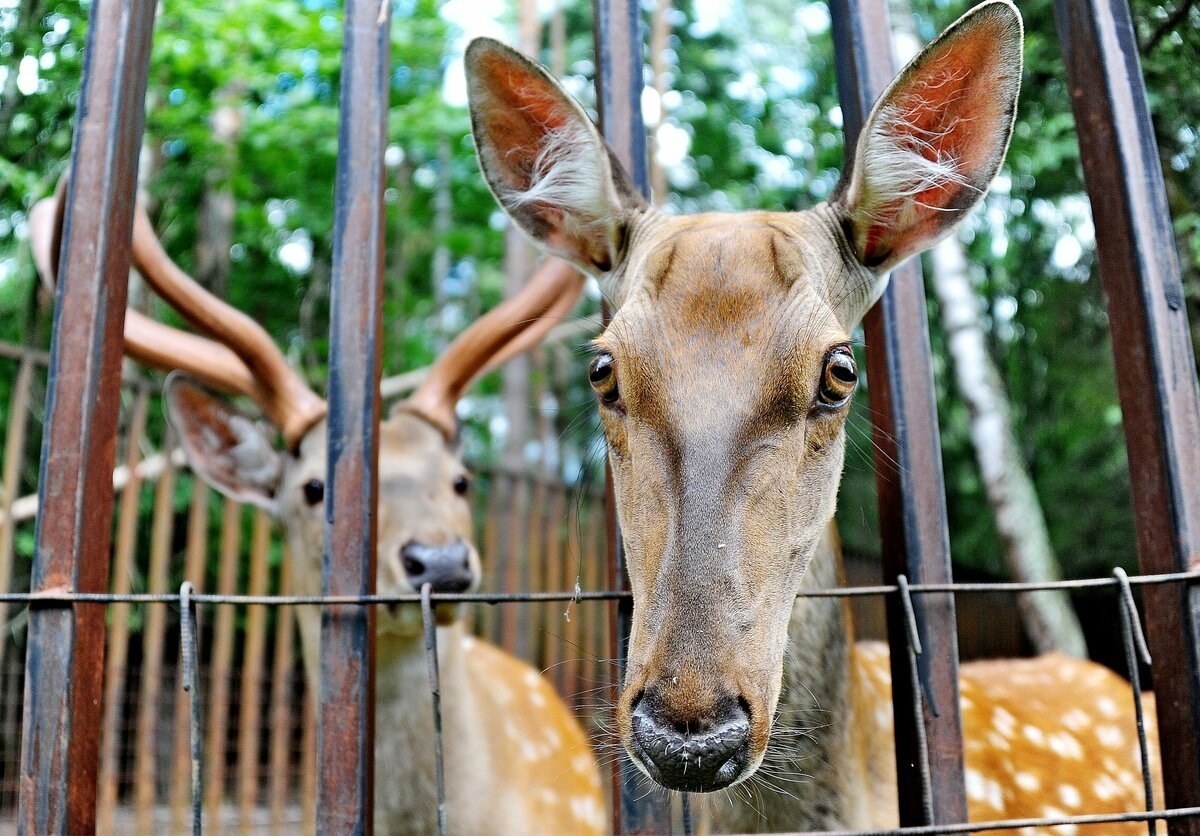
(813, 776)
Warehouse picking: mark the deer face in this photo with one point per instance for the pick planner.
(724, 377)
(424, 533)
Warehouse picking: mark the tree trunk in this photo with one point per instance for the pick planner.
(214, 221)
(443, 219)
(660, 33)
(1048, 617)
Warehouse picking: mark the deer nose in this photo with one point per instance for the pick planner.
(700, 754)
(445, 568)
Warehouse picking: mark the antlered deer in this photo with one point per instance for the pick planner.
(723, 384)
(516, 760)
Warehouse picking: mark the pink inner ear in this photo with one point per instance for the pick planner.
(522, 110)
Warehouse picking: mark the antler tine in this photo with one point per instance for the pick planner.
(278, 389)
(515, 325)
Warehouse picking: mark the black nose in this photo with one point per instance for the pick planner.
(445, 568)
(701, 754)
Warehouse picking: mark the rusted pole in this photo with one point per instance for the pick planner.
(619, 66)
(908, 467)
(65, 649)
(1154, 361)
(281, 698)
(219, 671)
(147, 742)
(346, 733)
(253, 648)
(193, 570)
(117, 660)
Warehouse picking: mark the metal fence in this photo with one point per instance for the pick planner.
(65, 681)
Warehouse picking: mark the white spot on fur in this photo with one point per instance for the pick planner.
(585, 809)
(581, 764)
(1064, 744)
(1110, 736)
(1004, 721)
(530, 752)
(1052, 812)
(998, 742)
(510, 730)
(1069, 795)
(1027, 781)
(975, 785)
(1107, 707)
(532, 679)
(1076, 719)
(553, 739)
(965, 704)
(536, 698)
(1106, 788)
(468, 642)
(1034, 735)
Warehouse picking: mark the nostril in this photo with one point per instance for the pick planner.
(744, 705)
(637, 700)
(412, 566)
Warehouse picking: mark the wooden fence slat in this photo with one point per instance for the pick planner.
(253, 648)
(281, 696)
(554, 582)
(193, 570)
(14, 462)
(489, 621)
(146, 744)
(515, 564)
(219, 680)
(117, 661)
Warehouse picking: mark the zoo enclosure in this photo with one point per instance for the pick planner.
(60, 743)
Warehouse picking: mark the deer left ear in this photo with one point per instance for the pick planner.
(935, 139)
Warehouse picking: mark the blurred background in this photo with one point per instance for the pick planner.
(238, 167)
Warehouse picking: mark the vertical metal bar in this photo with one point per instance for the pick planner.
(253, 648)
(435, 692)
(281, 696)
(908, 464)
(146, 772)
(1154, 361)
(219, 685)
(1131, 627)
(345, 734)
(193, 573)
(619, 82)
(65, 654)
(116, 661)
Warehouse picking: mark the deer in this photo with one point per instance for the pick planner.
(723, 382)
(516, 759)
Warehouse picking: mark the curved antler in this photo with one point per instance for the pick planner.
(515, 325)
(241, 358)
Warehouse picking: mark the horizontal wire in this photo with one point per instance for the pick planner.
(1013, 824)
(62, 596)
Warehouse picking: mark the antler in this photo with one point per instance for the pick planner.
(515, 325)
(241, 358)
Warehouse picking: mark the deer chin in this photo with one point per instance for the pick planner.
(405, 620)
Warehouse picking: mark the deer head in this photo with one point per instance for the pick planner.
(425, 533)
(724, 378)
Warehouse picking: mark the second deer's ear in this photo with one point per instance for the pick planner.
(544, 159)
(935, 139)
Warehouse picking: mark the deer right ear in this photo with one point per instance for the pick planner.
(544, 160)
(227, 449)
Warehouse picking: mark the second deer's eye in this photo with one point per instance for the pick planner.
(461, 485)
(602, 374)
(838, 379)
(314, 491)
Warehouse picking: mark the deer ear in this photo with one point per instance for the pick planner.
(935, 139)
(227, 449)
(544, 160)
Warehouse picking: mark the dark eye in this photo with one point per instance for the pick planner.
(461, 485)
(603, 377)
(314, 491)
(838, 379)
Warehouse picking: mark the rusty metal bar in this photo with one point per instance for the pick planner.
(254, 645)
(65, 653)
(116, 662)
(617, 27)
(154, 634)
(219, 685)
(193, 572)
(1154, 361)
(281, 696)
(346, 734)
(908, 466)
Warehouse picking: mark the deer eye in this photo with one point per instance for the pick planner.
(461, 485)
(839, 378)
(314, 491)
(602, 374)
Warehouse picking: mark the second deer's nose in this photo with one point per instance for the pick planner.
(444, 568)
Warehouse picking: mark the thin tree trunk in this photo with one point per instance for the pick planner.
(660, 33)
(443, 219)
(214, 223)
(1048, 617)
